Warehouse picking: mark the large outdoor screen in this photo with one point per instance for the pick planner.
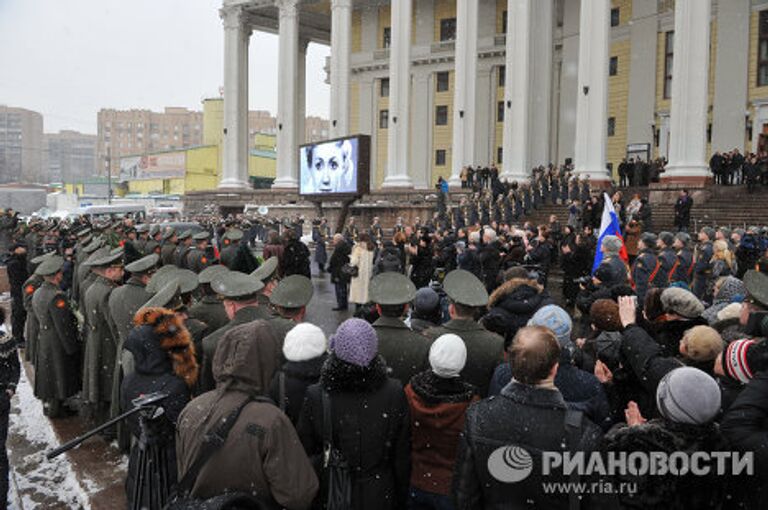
(335, 167)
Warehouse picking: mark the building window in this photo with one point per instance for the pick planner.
(502, 75)
(762, 50)
(611, 126)
(441, 115)
(384, 87)
(440, 157)
(387, 39)
(383, 119)
(500, 111)
(504, 24)
(442, 81)
(499, 155)
(613, 66)
(615, 17)
(448, 29)
(669, 44)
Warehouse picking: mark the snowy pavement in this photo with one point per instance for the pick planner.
(89, 477)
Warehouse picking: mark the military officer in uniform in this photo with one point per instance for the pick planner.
(209, 308)
(267, 275)
(168, 247)
(57, 362)
(83, 239)
(153, 243)
(124, 302)
(646, 266)
(683, 267)
(289, 301)
(102, 337)
(485, 350)
(239, 293)
(702, 268)
(667, 258)
(231, 240)
(185, 244)
(82, 270)
(31, 326)
(197, 258)
(405, 352)
(142, 231)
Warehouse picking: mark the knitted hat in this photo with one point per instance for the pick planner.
(604, 314)
(303, 342)
(611, 244)
(355, 342)
(426, 300)
(681, 302)
(448, 355)
(688, 395)
(556, 319)
(702, 343)
(743, 358)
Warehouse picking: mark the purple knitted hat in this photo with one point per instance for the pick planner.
(355, 342)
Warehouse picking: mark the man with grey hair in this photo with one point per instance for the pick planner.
(340, 256)
(611, 246)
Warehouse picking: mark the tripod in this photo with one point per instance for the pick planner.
(152, 485)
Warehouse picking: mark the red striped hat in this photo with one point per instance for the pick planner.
(736, 360)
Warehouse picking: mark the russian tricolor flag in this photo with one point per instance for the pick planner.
(609, 226)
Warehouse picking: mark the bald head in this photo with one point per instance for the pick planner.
(535, 354)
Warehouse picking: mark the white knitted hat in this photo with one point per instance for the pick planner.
(303, 342)
(448, 355)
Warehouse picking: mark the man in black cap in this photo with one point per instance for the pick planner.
(239, 293)
(646, 266)
(404, 351)
(57, 360)
(102, 336)
(197, 258)
(702, 266)
(485, 350)
(16, 266)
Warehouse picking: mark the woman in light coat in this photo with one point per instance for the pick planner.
(362, 259)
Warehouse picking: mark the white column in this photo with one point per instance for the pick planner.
(421, 120)
(690, 85)
(341, 30)
(301, 93)
(592, 102)
(464, 83)
(515, 151)
(288, 39)
(542, 18)
(399, 97)
(235, 161)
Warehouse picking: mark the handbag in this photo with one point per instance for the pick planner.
(336, 468)
(350, 270)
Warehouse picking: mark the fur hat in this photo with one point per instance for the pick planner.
(668, 238)
(611, 244)
(303, 342)
(688, 395)
(731, 311)
(355, 342)
(173, 337)
(448, 355)
(681, 302)
(604, 314)
(702, 343)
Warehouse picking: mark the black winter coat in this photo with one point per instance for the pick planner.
(669, 333)
(339, 257)
(512, 305)
(371, 428)
(297, 377)
(526, 416)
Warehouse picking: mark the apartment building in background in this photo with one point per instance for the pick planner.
(22, 148)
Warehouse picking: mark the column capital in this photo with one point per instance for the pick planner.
(341, 4)
(288, 8)
(232, 17)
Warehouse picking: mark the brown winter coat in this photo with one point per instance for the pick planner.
(262, 454)
(631, 238)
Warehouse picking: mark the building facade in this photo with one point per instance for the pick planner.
(441, 84)
(70, 155)
(22, 149)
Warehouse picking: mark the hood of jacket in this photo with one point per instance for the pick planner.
(517, 289)
(246, 358)
(731, 290)
(434, 390)
(160, 343)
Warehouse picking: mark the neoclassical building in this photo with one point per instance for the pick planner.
(440, 84)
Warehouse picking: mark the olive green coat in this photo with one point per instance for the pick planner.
(101, 343)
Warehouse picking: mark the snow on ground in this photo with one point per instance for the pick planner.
(40, 483)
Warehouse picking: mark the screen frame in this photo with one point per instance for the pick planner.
(363, 168)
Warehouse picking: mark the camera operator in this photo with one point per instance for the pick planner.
(421, 259)
(539, 253)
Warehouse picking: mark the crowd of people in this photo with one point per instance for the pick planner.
(459, 345)
(734, 168)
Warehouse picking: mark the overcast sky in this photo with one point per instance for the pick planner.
(67, 59)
